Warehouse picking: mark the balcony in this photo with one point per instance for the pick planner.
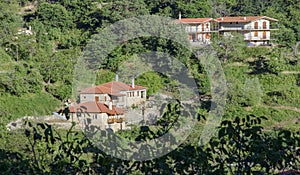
(120, 120)
(257, 28)
(111, 120)
(193, 30)
(235, 28)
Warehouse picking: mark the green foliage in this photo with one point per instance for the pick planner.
(4, 57)
(153, 81)
(240, 146)
(10, 20)
(63, 153)
(54, 16)
(35, 68)
(252, 92)
(104, 76)
(24, 79)
(27, 105)
(244, 148)
(230, 47)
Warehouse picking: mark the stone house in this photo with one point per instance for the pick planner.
(120, 94)
(95, 113)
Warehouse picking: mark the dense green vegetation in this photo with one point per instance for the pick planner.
(36, 74)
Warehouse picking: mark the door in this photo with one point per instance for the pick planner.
(96, 98)
(194, 37)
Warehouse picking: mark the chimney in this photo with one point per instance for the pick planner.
(117, 77)
(132, 83)
(245, 18)
(110, 105)
(29, 28)
(222, 18)
(179, 15)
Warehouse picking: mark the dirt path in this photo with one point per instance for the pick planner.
(286, 107)
(290, 72)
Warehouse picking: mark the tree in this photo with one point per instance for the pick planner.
(153, 81)
(230, 48)
(10, 21)
(25, 79)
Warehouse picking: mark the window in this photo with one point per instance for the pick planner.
(230, 23)
(237, 22)
(256, 25)
(264, 25)
(142, 94)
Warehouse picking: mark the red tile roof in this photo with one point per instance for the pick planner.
(113, 88)
(243, 18)
(193, 20)
(96, 107)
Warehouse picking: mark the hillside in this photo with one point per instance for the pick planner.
(42, 41)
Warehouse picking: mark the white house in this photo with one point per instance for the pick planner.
(199, 29)
(256, 29)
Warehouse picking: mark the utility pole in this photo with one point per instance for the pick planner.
(143, 112)
(17, 51)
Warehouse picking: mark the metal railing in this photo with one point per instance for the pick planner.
(198, 30)
(256, 38)
(120, 120)
(110, 120)
(245, 28)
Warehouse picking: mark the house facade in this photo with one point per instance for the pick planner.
(120, 94)
(255, 29)
(97, 114)
(199, 29)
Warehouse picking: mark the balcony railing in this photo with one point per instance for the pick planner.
(257, 28)
(257, 38)
(120, 120)
(110, 120)
(231, 28)
(245, 28)
(199, 30)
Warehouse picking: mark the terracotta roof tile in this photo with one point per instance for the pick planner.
(95, 107)
(112, 88)
(243, 18)
(193, 20)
